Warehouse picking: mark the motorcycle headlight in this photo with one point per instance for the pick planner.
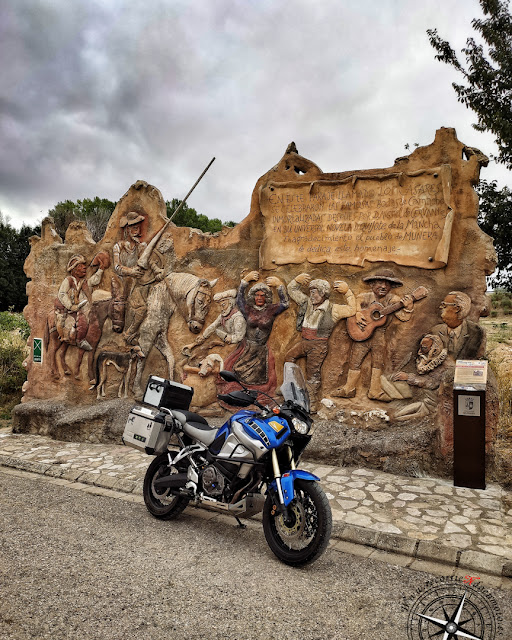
(300, 426)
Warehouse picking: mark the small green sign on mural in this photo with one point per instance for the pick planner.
(37, 351)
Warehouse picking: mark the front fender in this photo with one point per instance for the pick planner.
(288, 482)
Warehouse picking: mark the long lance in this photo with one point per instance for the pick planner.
(143, 261)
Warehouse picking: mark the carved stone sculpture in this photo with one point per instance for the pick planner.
(316, 319)
(380, 298)
(253, 361)
(405, 238)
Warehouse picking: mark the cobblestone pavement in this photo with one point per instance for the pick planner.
(423, 518)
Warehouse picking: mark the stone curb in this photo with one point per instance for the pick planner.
(427, 550)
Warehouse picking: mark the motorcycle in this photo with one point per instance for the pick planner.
(247, 466)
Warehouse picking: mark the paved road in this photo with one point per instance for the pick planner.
(75, 565)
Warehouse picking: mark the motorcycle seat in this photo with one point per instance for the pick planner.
(189, 416)
(196, 426)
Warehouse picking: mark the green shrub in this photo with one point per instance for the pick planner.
(494, 314)
(13, 351)
(10, 321)
(12, 354)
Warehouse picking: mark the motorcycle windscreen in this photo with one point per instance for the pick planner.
(294, 386)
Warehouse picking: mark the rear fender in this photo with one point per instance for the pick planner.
(288, 483)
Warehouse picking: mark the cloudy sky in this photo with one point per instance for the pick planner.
(96, 94)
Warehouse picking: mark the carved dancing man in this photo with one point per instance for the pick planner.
(374, 343)
(316, 320)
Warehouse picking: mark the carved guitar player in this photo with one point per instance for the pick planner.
(376, 316)
(367, 328)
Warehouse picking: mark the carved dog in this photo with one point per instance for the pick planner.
(200, 378)
(123, 362)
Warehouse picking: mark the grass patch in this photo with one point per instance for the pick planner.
(499, 354)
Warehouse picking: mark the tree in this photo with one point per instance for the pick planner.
(188, 217)
(488, 74)
(95, 213)
(494, 219)
(63, 214)
(15, 249)
(488, 92)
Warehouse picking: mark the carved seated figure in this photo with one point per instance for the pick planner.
(431, 365)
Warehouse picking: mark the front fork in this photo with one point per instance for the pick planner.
(282, 488)
(282, 494)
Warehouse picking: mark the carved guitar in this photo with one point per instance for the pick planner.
(376, 315)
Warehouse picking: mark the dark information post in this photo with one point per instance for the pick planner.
(469, 424)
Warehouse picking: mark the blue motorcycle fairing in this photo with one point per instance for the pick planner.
(225, 430)
(288, 482)
(271, 431)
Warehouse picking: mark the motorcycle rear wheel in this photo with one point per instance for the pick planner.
(305, 538)
(161, 503)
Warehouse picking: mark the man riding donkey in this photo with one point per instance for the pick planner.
(74, 299)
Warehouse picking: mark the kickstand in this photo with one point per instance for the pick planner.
(240, 525)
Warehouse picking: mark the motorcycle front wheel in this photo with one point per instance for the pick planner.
(304, 537)
(161, 503)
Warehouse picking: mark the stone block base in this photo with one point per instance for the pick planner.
(103, 422)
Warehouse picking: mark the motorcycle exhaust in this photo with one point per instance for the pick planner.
(174, 481)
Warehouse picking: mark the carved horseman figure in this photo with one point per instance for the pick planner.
(316, 319)
(73, 303)
(136, 280)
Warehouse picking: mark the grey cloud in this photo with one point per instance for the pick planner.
(96, 95)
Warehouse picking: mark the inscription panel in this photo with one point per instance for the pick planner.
(403, 217)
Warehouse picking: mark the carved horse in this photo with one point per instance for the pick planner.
(111, 307)
(184, 292)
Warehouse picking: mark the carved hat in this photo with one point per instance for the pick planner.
(230, 293)
(385, 274)
(132, 217)
(74, 261)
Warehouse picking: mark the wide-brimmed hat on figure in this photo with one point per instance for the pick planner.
(385, 274)
(74, 261)
(132, 217)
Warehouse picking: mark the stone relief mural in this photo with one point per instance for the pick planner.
(373, 281)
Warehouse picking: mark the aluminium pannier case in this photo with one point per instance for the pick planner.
(146, 430)
(165, 393)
